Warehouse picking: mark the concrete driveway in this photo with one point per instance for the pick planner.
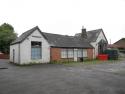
(61, 79)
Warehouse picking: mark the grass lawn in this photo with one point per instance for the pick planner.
(91, 62)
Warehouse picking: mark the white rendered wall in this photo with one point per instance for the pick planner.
(25, 49)
(16, 57)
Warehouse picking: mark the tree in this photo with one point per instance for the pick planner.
(7, 35)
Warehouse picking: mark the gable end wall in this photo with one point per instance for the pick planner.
(25, 49)
(95, 44)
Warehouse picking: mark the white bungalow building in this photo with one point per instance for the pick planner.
(35, 46)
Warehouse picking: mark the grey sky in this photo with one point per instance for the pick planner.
(66, 16)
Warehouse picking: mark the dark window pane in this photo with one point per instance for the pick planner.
(36, 44)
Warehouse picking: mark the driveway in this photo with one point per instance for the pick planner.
(61, 79)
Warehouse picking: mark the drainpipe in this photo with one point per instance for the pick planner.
(19, 54)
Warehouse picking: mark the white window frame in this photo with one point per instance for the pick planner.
(70, 53)
(85, 53)
(63, 53)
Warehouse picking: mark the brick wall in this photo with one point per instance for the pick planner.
(90, 53)
(55, 54)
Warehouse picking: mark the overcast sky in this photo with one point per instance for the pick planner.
(66, 16)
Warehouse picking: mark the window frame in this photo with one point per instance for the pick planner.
(81, 51)
(64, 54)
(70, 53)
(37, 50)
(85, 53)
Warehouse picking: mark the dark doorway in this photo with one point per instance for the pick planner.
(102, 46)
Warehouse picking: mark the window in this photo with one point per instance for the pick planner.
(84, 53)
(80, 52)
(70, 53)
(67, 53)
(63, 53)
(35, 50)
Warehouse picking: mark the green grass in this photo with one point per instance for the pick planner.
(72, 63)
(91, 62)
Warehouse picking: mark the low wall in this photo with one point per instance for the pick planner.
(4, 56)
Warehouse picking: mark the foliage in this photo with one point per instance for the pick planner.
(7, 35)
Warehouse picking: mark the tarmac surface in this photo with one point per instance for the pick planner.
(61, 79)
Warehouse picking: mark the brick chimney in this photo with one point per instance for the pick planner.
(84, 33)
